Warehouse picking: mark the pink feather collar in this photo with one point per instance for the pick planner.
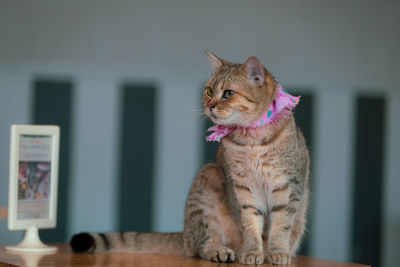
(282, 103)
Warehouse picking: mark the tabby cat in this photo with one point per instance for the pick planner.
(250, 205)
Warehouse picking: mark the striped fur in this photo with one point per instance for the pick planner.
(250, 205)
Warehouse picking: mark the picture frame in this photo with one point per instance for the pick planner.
(33, 182)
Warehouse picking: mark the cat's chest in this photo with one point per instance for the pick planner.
(259, 169)
(261, 165)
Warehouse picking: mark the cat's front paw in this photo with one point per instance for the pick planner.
(254, 257)
(279, 258)
(222, 254)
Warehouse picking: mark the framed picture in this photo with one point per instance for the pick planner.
(34, 152)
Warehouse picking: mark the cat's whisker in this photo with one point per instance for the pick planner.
(200, 115)
(196, 110)
(199, 111)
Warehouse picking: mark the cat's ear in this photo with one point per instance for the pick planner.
(254, 70)
(215, 61)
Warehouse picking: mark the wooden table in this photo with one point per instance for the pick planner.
(64, 257)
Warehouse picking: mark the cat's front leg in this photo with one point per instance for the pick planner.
(281, 223)
(252, 222)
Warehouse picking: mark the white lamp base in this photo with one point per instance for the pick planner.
(32, 243)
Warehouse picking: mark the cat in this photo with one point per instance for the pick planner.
(250, 205)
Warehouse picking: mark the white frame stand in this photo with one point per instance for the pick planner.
(32, 242)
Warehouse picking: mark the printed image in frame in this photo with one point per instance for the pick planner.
(34, 175)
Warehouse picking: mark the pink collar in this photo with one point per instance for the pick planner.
(279, 107)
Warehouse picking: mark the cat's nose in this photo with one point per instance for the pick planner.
(211, 107)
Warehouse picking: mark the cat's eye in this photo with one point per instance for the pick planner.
(210, 91)
(228, 93)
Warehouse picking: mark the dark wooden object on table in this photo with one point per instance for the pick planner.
(65, 257)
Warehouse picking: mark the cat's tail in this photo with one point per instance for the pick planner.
(159, 243)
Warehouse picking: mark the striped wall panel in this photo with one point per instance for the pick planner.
(52, 102)
(137, 157)
(368, 180)
(353, 140)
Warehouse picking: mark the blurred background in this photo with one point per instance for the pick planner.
(123, 79)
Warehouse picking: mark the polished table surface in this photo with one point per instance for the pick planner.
(64, 257)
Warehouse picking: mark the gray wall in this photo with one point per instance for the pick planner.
(303, 42)
(335, 48)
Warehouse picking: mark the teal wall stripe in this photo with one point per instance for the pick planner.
(368, 181)
(137, 157)
(52, 104)
(209, 148)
